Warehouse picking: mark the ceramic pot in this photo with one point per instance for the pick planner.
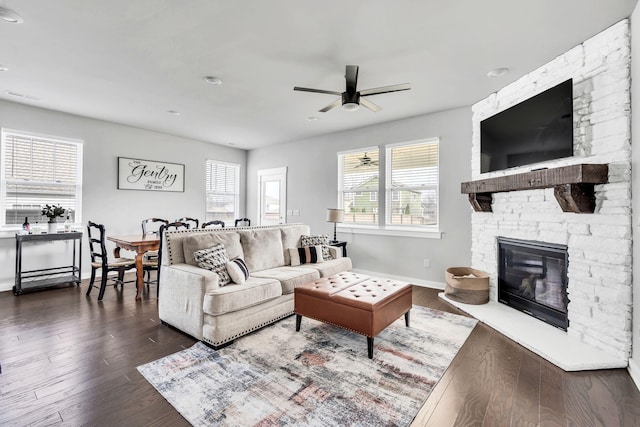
(53, 227)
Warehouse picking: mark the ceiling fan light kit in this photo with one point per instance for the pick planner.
(351, 99)
(10, 16)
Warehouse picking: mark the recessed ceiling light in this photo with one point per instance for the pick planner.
(173, 112)
(10, 16)
(22, 95)
(497, 72)
(312, 118)
(213, 80)
(4, 68)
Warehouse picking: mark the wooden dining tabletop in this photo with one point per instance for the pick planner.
(139, 243)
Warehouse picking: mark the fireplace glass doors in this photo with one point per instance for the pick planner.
(532, 278)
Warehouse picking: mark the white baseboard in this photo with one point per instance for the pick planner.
(634, 371)
(413, 281)
(6, 286)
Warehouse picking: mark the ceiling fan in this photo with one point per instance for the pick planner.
(366, 161)
(352, 98)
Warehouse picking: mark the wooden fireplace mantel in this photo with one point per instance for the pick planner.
(573, 186)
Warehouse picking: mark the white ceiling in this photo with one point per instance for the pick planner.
(130, 61)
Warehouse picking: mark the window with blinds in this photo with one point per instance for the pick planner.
(359, 186)
(412, 183)
(223, 191)
(39, 170)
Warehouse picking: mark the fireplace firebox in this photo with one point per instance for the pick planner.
(532, 278)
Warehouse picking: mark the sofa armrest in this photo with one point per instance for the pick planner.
(181, 296)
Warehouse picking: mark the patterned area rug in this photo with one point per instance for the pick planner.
(320, 376)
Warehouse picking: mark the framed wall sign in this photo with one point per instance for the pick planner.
(137, 174)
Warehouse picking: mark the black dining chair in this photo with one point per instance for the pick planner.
(150, 258)
(177, 225)
(213, 223)
(100, 260)
(191, 222)
(152, 225)
(247, 222)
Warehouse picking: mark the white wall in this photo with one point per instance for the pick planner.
(312, 188)
(634, 361)
(120, 210)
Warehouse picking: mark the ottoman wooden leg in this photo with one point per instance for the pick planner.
(407, 318)
(298, 321)
(370, 347)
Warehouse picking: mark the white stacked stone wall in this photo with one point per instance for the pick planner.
(599, 244)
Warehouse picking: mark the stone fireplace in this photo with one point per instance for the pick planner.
(598, 244)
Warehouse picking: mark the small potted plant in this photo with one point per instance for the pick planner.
(52, 212)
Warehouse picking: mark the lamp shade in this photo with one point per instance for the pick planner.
(335, 215)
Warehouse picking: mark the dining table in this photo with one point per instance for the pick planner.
(139, 243)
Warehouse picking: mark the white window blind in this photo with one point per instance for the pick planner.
(412, 183)
(223, 187)
(358, 186)
(39, 170)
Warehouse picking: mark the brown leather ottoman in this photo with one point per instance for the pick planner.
(356, 302)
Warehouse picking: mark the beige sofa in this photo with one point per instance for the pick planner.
(192, 300)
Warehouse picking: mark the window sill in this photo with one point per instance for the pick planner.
(420, 233)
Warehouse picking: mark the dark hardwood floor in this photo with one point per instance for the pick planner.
(70, 360)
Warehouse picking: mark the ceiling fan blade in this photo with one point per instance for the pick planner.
(370, 105)
(306, 89)
(331, 106)
(351, 76)
(385, 89)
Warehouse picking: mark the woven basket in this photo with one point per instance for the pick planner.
(467, 285)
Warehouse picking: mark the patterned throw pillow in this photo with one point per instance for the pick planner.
(238, 271)
(320, 239)
(306, 255)
(215, 259)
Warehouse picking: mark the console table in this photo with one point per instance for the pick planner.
(47, 277)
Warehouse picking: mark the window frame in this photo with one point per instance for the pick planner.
(385, 196)
(362, 192)
(390, 188)
(236, 194)
(53, 139)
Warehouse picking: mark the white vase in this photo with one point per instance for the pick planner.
(53, 227)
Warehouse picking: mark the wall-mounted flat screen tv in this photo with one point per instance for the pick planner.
(536, 130)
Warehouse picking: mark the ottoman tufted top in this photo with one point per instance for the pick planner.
(370, 293)
(325, 287)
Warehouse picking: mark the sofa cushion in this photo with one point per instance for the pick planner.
(214, 259)
(289, 277)
(291, 238)
(197, 241)
(262, 248)
(306, 255)
(320, 239)
(238, 271)
(331, 267)
(236, 297)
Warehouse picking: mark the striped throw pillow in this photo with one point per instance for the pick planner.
(306, 255)
(238, 271)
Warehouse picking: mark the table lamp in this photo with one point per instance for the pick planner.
(335, 216)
